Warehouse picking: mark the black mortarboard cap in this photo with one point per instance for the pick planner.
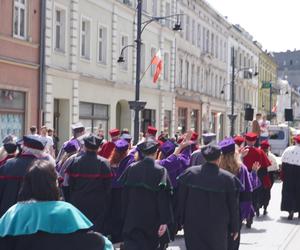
(148, 147)
(34, 142)
(92, 142)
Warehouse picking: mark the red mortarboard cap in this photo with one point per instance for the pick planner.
(194, 136)
(265, 144)
(250, 136)
(114, 132)
(239, 140)
(297, 138)
(151, 130)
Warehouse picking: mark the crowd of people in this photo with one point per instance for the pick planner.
(93, 192)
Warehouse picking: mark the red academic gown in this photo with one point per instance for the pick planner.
(107, 149)
(258, 155)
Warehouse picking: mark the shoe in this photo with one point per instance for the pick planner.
(291, 216)
(257, 212)
(265, 212)
(249, 223)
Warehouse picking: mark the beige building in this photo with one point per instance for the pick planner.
(84, 81)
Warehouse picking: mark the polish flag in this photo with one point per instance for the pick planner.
(274, 109)
(157, 60)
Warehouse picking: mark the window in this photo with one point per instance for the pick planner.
(204, 40)
(199, 36)
(212, 48)
(168, 13)
(193, 32)
(187, 68)
(180, 73)
(102, 45)
(148, 119)
(193, 82)
(166, 66)
(194, 120)
(168, 122)
(187, 28)
(12, 113)
(85, 38)
(182, 22)
(182, 120)
(94, 116)
(221, 50)
(217, 47)
(60, 29)
(154, 8)
(124, 42)
(20, 14)
(225, 53)
(144, 5)
(153, 67)
(207, 41)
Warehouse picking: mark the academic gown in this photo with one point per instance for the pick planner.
(208, 207)
(49, 225)
(90, 184)
(197, 158)
(146, 203)
(107, 149)
(291, 175)
(2, 162)
(114, 221)
(258, 155)
(11, 178)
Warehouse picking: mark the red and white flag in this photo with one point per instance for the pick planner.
(157, 60)
(274, 109)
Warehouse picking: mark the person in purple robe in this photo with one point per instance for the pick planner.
(119, 160)
(230, 161)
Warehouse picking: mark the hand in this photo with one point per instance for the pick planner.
(244, 151)
(188, 136)
(256, 166)
(235, 235)
(162, 229)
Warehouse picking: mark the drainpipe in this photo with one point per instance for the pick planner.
(42, 61)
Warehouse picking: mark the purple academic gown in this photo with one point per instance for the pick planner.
(249, 182)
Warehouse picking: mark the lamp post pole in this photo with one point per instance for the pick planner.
(232, 116)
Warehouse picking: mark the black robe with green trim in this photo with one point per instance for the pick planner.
(208, 207)
(147, 204)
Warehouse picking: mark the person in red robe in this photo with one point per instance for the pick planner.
(257, 157)
(151, 133)
(109, 146)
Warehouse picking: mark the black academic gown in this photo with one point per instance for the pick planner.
(146, 203)
(90, 184)
(11, 178)
(208, 207)
(290, 188)
(45, 241)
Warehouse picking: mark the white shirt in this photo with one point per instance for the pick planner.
(49, 144)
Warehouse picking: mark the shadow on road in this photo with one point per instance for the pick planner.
(253, 230)
(284, 220)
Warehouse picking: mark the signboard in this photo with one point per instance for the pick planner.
(266, 85)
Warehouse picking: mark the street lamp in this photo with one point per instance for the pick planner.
(250, 74)
(138, 105)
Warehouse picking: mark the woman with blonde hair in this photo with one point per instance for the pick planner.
(230, 161)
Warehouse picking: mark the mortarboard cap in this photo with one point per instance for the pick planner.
(148, 147)
(239, 140)
(126, 137)
(151, 130)
(194, 136)
(265, 144)
(92, 142)
(71, 146)
(208, 137)
(34, 142)
(227, 145)
(77, 127)
(250, 136)
(211, 152)
(9, 139)
(297, 139)
(167, 148)
(121, 145)
(114, 132)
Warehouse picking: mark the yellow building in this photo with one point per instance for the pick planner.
(268, 88)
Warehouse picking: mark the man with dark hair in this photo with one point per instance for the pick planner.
(146, 200)
(10, 147)
(90, 180)
(33, 130)
(207, 204)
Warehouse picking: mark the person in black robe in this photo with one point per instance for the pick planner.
(146, 201)
(50, 223)
(290, 175)
(14, 170)
(90, 179)
(208, 207)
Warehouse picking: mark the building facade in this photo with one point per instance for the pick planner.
(201, 63)
(19, 66)
(85, 83)
(246, 58)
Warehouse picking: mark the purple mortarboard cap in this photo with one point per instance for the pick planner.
(121, 145)
(167, 148)
(227, 145)
(126, 137)
(71, 146)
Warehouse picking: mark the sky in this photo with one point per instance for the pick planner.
(275, 24)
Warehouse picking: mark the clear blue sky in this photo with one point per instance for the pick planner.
(273, 23)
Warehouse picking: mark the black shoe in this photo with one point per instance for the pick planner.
(249, 223)
(257, 212)
(291, 216)
(265, 212)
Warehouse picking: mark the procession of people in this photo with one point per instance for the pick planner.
(94, 193)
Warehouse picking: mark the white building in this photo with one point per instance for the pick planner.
(202, 51)
(246, 55)
(83, 79)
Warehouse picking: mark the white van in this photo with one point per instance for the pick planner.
(280, 137)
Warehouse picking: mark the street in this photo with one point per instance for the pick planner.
(270, 232)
